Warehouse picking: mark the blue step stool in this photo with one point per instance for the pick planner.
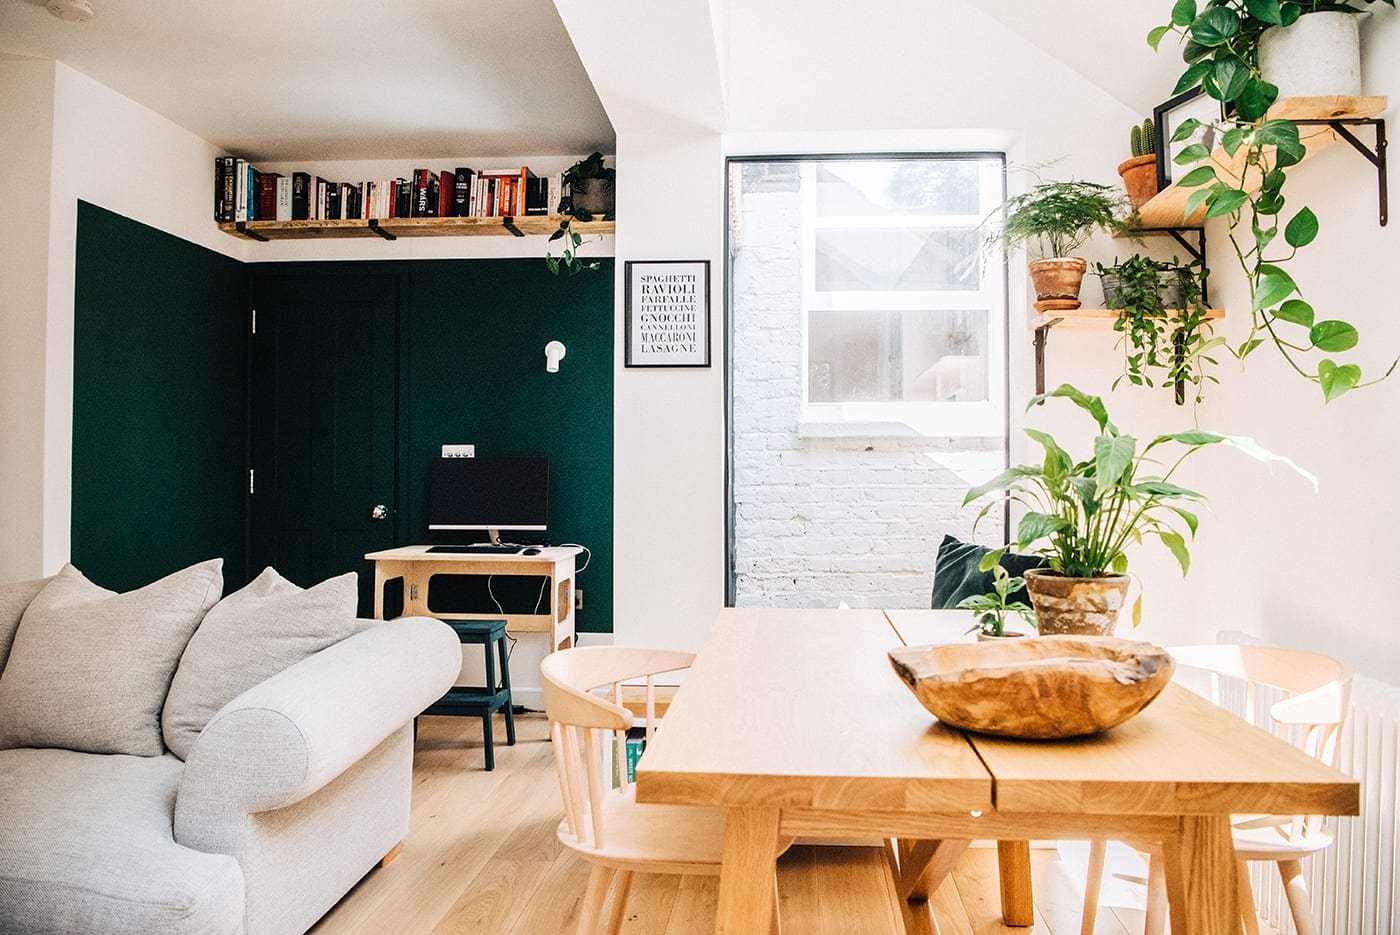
(483, 702)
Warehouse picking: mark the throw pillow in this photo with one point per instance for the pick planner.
(956, 576)
(14, 598)
(247, 638)
(89, 668)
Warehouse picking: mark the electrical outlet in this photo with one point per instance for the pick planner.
(459, 451)
(578, 599)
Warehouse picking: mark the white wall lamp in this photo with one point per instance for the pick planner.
(553, 353)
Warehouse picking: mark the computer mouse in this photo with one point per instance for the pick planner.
(532, 550)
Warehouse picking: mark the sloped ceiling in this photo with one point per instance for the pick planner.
(352, 79)
(1104, 41)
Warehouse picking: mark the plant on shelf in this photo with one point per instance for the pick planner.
(1083, 513)
(991, 609)
(1051, 220)
(1140, 172)
(591, 193)
(1243, 181)
(1163, 322)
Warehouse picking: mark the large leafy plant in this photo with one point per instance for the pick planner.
(1221, 51)
(1055, 217)
(1083, 514)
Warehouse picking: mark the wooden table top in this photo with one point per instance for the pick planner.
(795, 708)
(410, 553)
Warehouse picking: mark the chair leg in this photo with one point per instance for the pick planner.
(1156, 920)
(1296, 889)
(775, 927)
(489, 743)
(619, 909)
(593, 898)
(1248, 914)
(505, 682)
(1093, 883)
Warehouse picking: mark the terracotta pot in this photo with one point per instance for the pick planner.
(1139, 178)
(1057, 282)
(1075, 606)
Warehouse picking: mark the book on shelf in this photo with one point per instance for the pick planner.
(266, 189)
(301, 196)
(284, 198)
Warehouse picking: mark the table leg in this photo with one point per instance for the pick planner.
(1202, 888)
(379, 578)
(1017, 901)
(923, 865)
(746, 892)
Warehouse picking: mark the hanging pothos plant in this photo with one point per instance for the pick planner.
(1221, 51)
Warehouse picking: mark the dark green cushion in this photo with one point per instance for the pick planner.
(956, 576)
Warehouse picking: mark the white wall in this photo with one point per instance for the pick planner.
(26, 157)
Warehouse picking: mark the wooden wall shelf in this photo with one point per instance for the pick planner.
(1087, 319)
(1315, 115)
(393, 228)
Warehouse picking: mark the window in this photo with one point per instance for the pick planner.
(867, 373)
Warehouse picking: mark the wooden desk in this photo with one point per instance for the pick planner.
(417, 566)
(793, 722)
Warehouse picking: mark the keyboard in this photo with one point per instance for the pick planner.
(477, 548)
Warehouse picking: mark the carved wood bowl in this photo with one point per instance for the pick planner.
(1045, 688)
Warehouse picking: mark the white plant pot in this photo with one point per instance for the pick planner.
(1318, 56)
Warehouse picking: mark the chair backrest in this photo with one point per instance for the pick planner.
(579, 719)
(1306, 695)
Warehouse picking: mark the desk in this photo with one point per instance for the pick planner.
(794, 724)
(417, 566)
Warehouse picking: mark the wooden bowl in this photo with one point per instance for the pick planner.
(1044, 688)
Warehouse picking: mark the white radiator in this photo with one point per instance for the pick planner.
(1353, 883)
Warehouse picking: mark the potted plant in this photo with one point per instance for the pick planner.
(1222, 47)
(990, 609)
(1082, 514)
(1053, 219)
(1140, 172)
(591, 188)
(1163, 323)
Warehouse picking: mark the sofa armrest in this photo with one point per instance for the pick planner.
(280, 741)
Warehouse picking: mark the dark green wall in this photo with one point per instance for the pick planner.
(158, 403)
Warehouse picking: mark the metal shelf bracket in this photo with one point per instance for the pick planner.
(1376, 157)
(374, 226)
(242, 228)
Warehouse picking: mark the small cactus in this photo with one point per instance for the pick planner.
(1143, 139)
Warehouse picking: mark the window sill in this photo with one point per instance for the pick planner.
(855, 428)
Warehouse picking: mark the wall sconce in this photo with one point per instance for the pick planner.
(553, 353)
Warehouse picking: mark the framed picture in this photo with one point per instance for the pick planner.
(1167, 117)
(668, 313)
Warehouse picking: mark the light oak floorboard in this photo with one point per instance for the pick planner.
(481, 857)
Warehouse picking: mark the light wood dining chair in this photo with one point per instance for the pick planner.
(1315, 690)
(607, 826)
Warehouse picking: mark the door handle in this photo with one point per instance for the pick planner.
(379, 512)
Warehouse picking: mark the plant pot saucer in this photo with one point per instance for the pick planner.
(1057, 305)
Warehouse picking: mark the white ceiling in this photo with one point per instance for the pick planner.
(349, 79)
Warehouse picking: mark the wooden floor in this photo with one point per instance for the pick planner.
(482, 856)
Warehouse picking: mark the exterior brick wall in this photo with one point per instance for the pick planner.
(824, 521)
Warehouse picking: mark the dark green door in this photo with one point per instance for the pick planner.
(323, 433)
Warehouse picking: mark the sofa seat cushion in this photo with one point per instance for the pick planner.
(86, 846)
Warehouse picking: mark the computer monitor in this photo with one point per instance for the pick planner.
(490, 494)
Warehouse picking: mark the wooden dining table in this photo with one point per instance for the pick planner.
(793, 722)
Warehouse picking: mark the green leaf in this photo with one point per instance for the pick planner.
(1274, 286)
(1336, 380)
(1228, 79)
(1137, 607)
(1226, 202)
(1057, 460)
(1119, 564)
(1233, 139)
(991, 560)
(1035, 526)
(1193, 153)
(1177, 546)
(1296, 311)
(557, 234)
(1199, 197)
(1183, 12)
(1333, 336)
(1197, 176)
(1154, 38)
(1282, 134)
(1192, 437)
(1256, 99)
(1265, 10)
(552, 264)
(1002, 481)
(1161, 488)
(1112, 455)
(1302, 230)
(1215, 26)
(1192, 76)
(1090, 404)
(1249, 347)
(1190, 518)
(1186, 129)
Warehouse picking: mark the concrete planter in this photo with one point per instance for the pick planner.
(596, 196)
(1075, 606)
(1318, 56)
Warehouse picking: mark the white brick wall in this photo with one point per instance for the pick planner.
(822, 521)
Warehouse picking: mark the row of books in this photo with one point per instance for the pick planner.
(242, 193)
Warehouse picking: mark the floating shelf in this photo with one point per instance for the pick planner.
(393, 228)
(1086, 319)
(1322, 122)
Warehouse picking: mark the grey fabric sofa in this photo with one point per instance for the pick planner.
(291, 793)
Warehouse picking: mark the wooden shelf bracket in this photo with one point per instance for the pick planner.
(1375, 157)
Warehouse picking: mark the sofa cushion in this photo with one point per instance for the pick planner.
(89, 668)
(248, 637)
(14, 598)
(956, 575)
(86, 846)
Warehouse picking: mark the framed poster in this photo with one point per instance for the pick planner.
(1169, 116)
(667, 310)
